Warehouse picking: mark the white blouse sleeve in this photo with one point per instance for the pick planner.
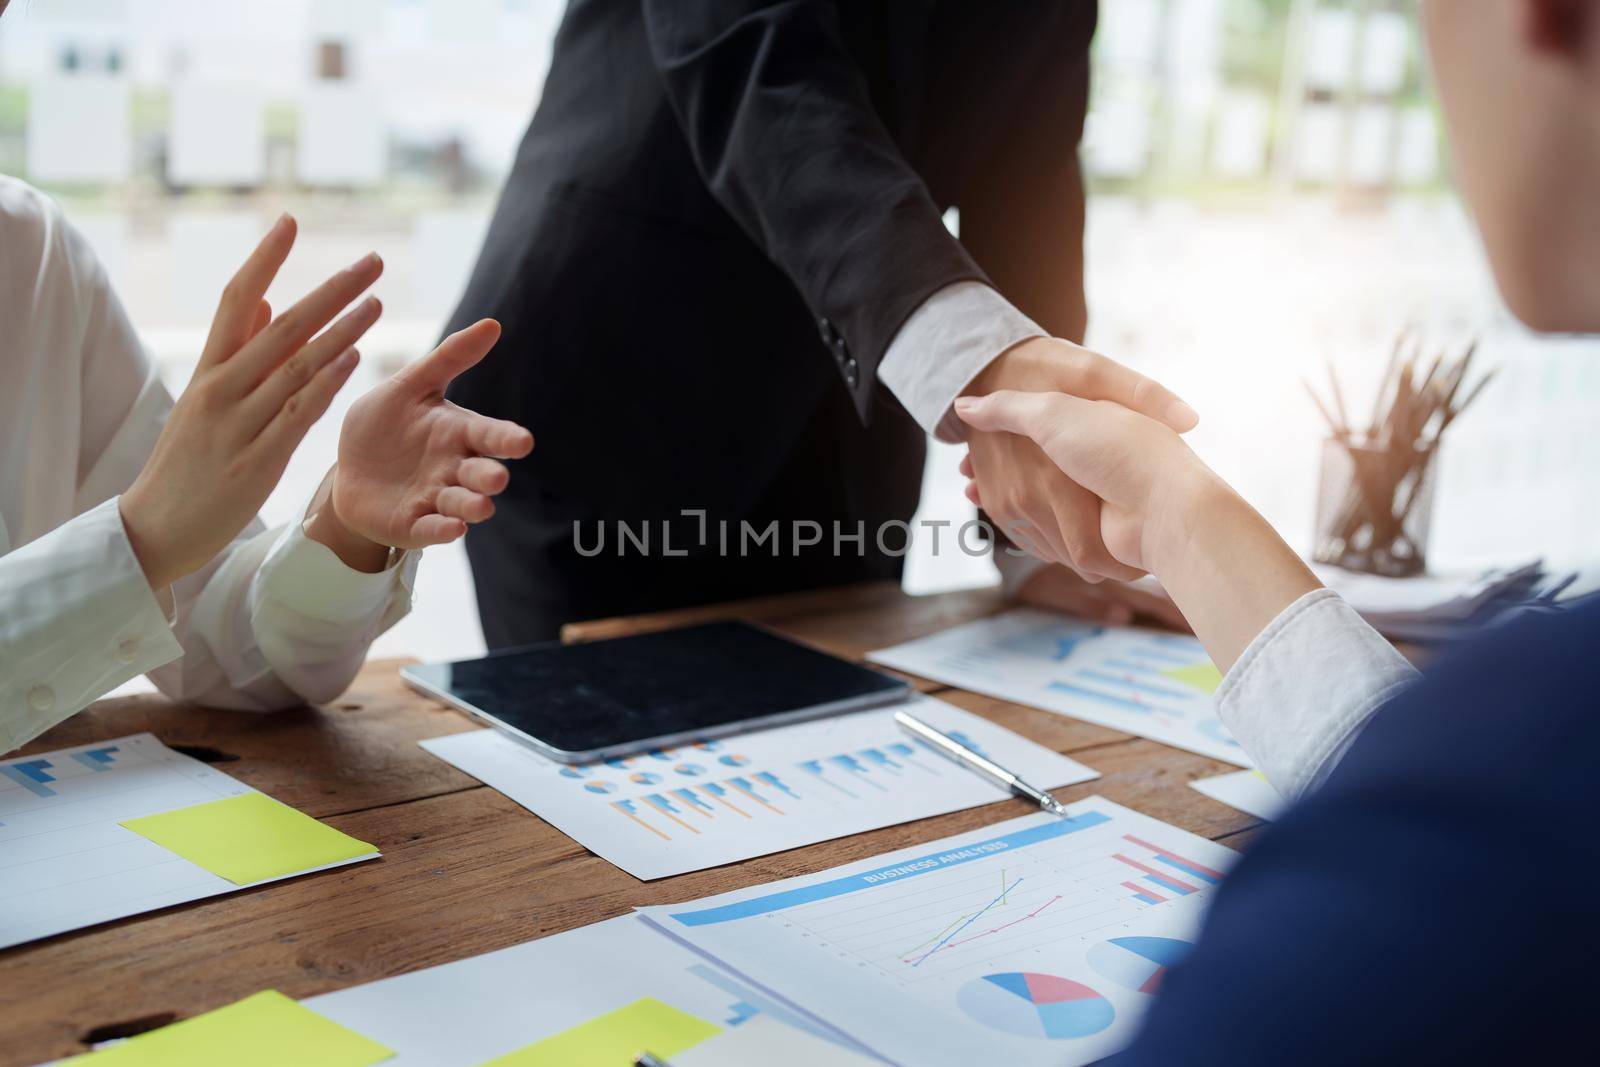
(274, 620)
(1305, 687)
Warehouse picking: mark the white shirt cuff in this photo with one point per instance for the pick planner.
(307, 577)
(79, 619)
(947, 342)
(1306, 686)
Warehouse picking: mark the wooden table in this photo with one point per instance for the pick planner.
(464, 870)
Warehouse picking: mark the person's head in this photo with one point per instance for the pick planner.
(1520, 85)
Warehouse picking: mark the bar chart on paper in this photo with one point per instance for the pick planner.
(714, 802)
(1025, 932)
(1147, 682)
(65, 862)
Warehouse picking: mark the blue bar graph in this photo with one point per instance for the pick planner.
(688, 796)
(880, 758)
(97, 759)
(816, 770)
(31, 775)
(1104, 698)
(1193, 870)
(777, 783)
(1133, 683)
(1169, 885)
(847, 762)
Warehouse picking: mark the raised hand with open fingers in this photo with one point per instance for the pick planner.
(415, 469)
(260, 384)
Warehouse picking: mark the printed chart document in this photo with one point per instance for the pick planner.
(1146, 682)
(715, 802)
(1246, 790)
(573, 999)
(67, 860)
(1038, 941)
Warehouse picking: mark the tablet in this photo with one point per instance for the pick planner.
(599, 699)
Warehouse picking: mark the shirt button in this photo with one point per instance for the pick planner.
(127, 651)
(41, 698)
(850, 378)
(825, 327)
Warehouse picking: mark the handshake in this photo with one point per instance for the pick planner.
(1077, 459)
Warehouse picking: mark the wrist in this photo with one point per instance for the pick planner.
(1189, 511)
(324, 525)
(150, 547)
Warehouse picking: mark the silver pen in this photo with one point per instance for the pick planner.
(979, 762)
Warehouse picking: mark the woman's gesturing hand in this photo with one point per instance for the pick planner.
(415, 469)
(260, 385)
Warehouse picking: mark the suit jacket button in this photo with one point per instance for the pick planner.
(850, 378)
(825, 328)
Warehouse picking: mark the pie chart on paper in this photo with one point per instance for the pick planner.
(1035, 1005)
(1137, 963)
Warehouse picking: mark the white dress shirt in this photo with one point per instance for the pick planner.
(275, 620)
(946, 342)
(1303, 689)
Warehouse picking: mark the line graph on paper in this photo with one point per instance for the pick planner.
(951, 921)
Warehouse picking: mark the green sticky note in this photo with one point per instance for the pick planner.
(615, 1038)
(248, 838)
(264, 1030)
(1202, 676)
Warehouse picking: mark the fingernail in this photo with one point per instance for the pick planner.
(366, 263)
(965, 404)
(1181, 414)
(347, 358)
(371, 306)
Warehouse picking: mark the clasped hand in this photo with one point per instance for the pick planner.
(1056, 460)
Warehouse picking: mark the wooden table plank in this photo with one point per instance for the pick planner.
(358, 752)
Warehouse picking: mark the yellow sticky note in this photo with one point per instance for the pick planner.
(264, 1030)
(615, 1038)
(248, 838)
(1202, 676)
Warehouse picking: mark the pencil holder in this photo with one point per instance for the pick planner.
(1375, 506)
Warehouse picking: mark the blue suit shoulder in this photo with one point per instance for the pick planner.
(1433, 902)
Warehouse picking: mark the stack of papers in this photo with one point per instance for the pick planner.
(1434, 607)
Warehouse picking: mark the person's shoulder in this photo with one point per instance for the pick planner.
(28, 220)
(43, 251)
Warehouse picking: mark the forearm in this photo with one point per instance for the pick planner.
(1225, 567)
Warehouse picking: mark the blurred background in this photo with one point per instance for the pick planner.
(1269, 191)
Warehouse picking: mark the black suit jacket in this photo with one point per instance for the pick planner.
(720, 216)
(1433, 903)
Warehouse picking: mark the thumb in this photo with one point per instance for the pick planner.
(455, 354)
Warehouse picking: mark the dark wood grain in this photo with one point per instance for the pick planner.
(465, 870)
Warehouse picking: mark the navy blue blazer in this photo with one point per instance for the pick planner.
(1435, 901)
